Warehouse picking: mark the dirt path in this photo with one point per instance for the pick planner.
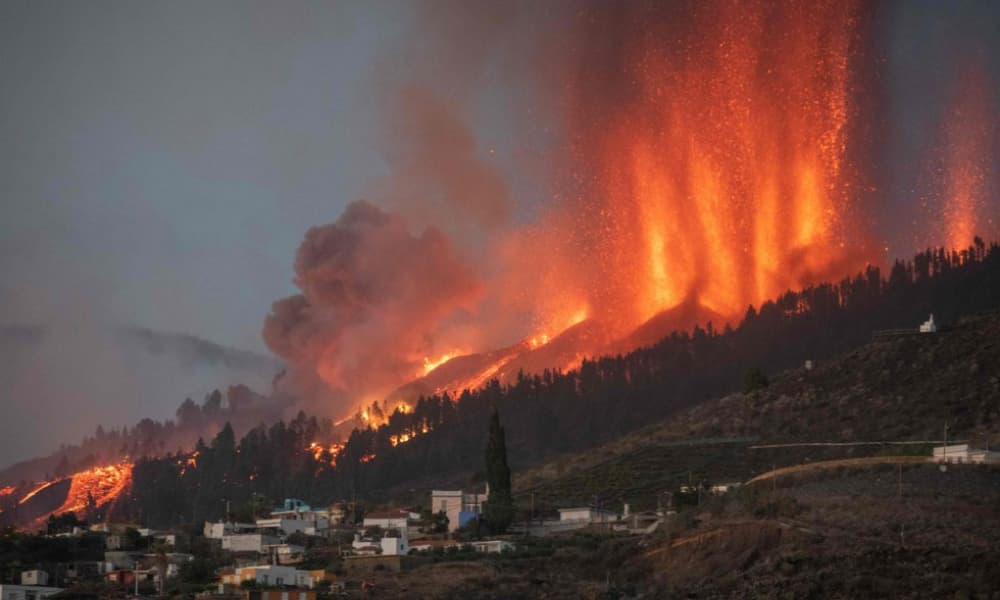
(844, 462)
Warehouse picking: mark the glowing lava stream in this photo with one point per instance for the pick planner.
(102, 485)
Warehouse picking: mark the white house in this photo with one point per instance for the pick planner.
(962, 453)
(26, 592)
(492, 546)
(393, 519)
(393, 543)
(34, 577)
(287, 554)
(249, 542)
(928, 326)
(724, 488)
(586, 515)
(217, 531)
(307, 525)
(458, 506)
(270, 575)
(297, 516)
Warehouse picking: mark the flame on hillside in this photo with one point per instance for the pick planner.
(326, 453)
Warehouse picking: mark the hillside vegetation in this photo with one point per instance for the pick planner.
(893, 389)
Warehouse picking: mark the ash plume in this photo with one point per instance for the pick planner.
(374, 298)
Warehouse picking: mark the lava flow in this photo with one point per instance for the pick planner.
(96, 487)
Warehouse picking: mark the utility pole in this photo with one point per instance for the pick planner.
(944, 449)
(900, 491)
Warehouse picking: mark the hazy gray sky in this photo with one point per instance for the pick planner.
(161, 161)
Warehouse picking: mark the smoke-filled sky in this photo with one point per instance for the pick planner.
(162, 162)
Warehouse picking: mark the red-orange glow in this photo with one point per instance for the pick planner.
(538, 340)
(327, 453)
(720, 176)
(969, 130)
(35, 491)
(7, 491)
(367, 458)
(101, 484)
(190, 461)
(430, 365)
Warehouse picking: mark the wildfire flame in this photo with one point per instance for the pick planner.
(328, 453)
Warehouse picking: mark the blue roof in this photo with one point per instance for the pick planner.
(293, 504)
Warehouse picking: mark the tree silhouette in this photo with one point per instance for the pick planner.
(499, 509)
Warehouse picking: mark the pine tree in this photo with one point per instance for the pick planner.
(499, 509)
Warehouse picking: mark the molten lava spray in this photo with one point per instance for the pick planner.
(970, 126)
(714, 146)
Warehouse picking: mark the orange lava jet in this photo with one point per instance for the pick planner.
(719, 166)
(968, 140)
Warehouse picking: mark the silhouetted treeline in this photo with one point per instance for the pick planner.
(554, 412)
(240, 406)
(268, 462)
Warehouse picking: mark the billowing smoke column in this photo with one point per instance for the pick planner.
(373, 297)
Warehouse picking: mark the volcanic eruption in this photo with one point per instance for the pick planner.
(703, 165)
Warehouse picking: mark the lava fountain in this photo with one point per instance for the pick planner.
(968, 139)
(714, 143)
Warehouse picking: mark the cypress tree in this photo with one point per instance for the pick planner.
(499, 509)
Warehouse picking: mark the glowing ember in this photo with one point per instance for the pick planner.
(538, 340)
(327, 453)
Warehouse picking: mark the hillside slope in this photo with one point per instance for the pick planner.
(894, 389)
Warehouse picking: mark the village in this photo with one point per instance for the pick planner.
(304, 552)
